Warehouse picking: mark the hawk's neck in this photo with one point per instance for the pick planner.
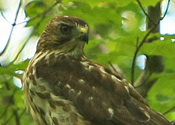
(70, 51)
(51, 57)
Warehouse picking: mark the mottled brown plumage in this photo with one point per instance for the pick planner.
(62, 87)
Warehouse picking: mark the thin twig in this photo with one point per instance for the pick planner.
(7, 107)
(142, 42)
(169, 110)
(11, 116)
(41, 14)
(140, 85)
(166, 11)
(5, 111)
(136, 52)
(17, 12)
(12, 28)
(37, 25)
(112, 67)
(4, 17)
(14, 23)
(12, 98)
(15, 112)
(25, 43)
(138, 1)
(21, 114)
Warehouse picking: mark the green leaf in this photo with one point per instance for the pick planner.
(34, 8)
(11, 69)
(164, 98)
(161, 96)
(19, 66)
(39, 17)
(122, 3)
(161, 48)
(112, 16)
(169, 63)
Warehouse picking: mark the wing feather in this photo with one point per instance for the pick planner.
(98, 94)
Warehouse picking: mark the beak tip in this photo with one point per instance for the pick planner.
(85, 38)
(84, 34)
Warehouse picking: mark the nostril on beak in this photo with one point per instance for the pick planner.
(83, 30)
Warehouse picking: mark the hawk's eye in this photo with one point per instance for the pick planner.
(65, 29)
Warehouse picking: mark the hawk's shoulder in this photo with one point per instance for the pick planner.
(94, 87)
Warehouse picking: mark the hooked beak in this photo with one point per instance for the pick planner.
(84, 34)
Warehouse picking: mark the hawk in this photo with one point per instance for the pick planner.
(63, 87)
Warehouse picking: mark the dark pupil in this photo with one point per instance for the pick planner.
(65, 29)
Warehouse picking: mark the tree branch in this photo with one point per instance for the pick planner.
(41, 14)
(136, 52)
(4, 17)
(15, 112)
(144, 40)
(14, 24)
(166, 11)
(169, 110)
(138, 1)
(11, 31)
(25, 43)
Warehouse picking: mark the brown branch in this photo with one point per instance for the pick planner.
(11, 31)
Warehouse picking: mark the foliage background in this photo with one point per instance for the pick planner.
(117, 27)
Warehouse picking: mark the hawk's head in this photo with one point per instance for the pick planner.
(65, 34)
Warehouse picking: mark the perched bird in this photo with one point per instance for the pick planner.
(62, 87)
